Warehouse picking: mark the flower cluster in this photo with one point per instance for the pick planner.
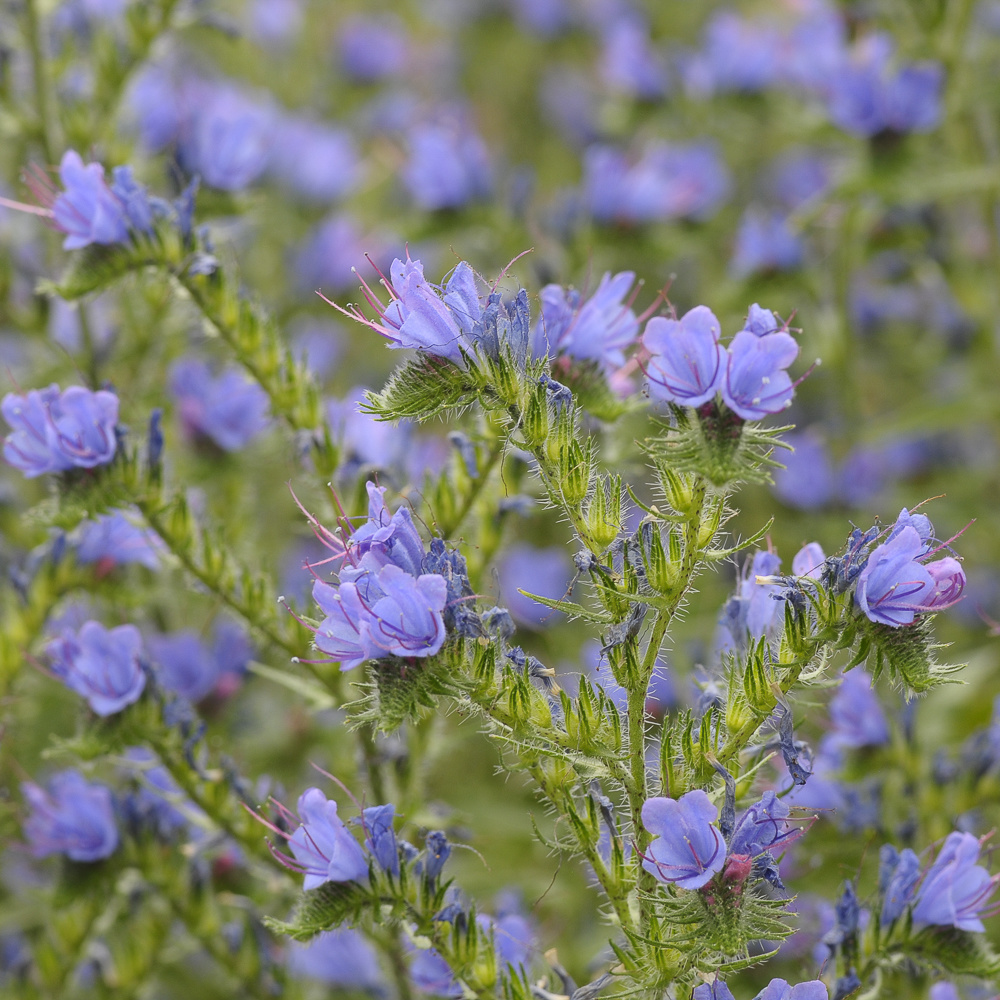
(55, 430)
(776, 989)
(688, 365)
(384, 603)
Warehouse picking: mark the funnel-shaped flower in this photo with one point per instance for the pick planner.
(73, 817)
(688, 849)
(687, 361)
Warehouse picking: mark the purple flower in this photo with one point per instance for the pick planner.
(686, 361)
(88, 211)
(448, 165)
(372, 48)
(894, 587)
(752, 612)
(798, 178)
(687, 849)
(765, 242)
(71, 817)
(186, 666)
(763, 827)
(630, 64)
(545, 572)
(807, 480)
(955, 891)
(340, 957)
(112, 539)
(227, 408)
(542, 17)
(363, 440)
(943, 991)
(316, 161)
(598, 328)
(778, 989)
(809, 561)
(274, 23)
(739, 54)
(514, 937)
(756, 382)
(329, 254)
(54, 431)
(899, 873)
(100, 664)
(323, 847)
(856, 713)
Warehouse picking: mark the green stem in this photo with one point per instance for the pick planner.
(40, 80)
(448, 529)
(391, 945)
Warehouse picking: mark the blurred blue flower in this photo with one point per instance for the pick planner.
(765, 242)
(155, 800)
(341, 957)
(192, 669)
(372, 48)
(448, 164)
(687, 362)
(100, 664)
(71, 817)
(569, 102)
(666, 182)
(797, 178)
(687, 848)
(956, 891)
(545, 572)
(112, 539)
(432, 974)
(598, 328)
(751, 613)
(542, 17)
(629, 63)
(867, 97)
(55, 431)
(329, 254)
(779, 989)
(274, 23)
(158, 101)
(227, 408)
(363, 440)
(738, 54)
(807, 481)
(317, 161)
(856, 713)
(323, 847)
(229, 137)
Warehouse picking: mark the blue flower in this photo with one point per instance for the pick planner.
(899, 873)
(227, 408)
(894, 586)
(71, 817)
(432, 974)
(687, 362)
(380, 837)
(340, 957)
(778, 989)
(955, 891)
(715, 990)
(112, 539)
(54, 431)
(763, 827)
(598, 328)
(687, 849)
(807, 481)
(323, 847)
(87, 211)
(316, 161)
(100, 664)
(756, 382)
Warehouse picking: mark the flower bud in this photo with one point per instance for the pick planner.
(604, 512)
(535, 422)
(574, 473)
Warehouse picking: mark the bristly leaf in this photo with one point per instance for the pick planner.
(422, 388)
(571, 609)
(322, 909)
(958, 953)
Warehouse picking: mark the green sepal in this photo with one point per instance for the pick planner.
(421, 388)
(955, 952)
(322, 909)
(905, 653)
